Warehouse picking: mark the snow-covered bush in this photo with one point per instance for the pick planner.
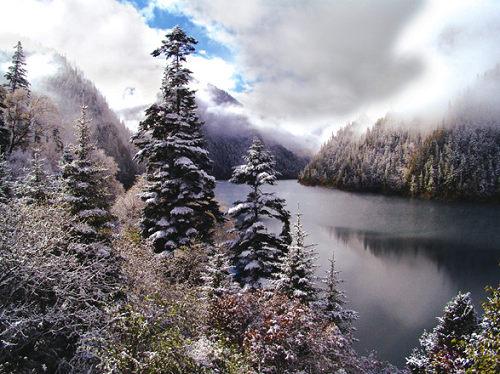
(51, 302)
(443, 349)
(186, 265)
(289, 337)
(128, 206)
(484, 346)
(145, 340)
(219, 356)
(5, 182)
(277, 334)
(230, 315)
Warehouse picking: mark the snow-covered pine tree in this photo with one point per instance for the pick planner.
(216, 278)
(180, 203)
(256, 253)
(4, 131)
(334, 299)
(443, 349)
(296, 277)
(36, 186)
(16, 73)
(4, 179)
(482, 350)
(84, 191)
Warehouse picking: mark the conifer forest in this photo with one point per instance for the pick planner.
(249, 187)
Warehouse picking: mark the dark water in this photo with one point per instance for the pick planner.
(401, 259)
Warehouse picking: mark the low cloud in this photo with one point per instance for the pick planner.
(306, 66)
(108, 40)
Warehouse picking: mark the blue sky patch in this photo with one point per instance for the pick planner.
(165, 19)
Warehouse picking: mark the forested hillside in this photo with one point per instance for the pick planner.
(459, 161)
(70, 89)
(455, 158)
(227, 134)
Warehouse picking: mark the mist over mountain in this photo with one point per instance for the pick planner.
(70, 89)
(229, 133)
(455, 157)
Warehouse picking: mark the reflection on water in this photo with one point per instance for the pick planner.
(401, 260)
(459, 260)
(415, 277)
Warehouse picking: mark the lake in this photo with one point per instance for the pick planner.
(401, 260)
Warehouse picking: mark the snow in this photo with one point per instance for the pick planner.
(252, 265)
(238, 208)
(163, 222)
(183, 161)
(92, 213)
(158, 235)
(181, 211)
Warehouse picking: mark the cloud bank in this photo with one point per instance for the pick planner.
(306, 66)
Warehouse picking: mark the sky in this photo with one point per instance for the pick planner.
(307, 67)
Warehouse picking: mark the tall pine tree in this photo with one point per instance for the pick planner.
(36, 187)
(4, 131)
(5, 183)
(180, 203)
(296, 278)
(334, 299)
(256, 253)
(84, 191)
(16, 73)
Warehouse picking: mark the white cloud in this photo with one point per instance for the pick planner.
(311, 65)
(107, 39)
(213, 70)
(321, 63)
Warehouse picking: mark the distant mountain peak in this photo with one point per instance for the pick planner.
(221, 97)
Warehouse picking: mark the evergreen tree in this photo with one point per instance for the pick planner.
(84, 191)
(217, 279)
(443, 350)
(334, 300)
(413, 186)
(482, 351)
(4, 131)
(4, 179)
(180, 203)
(296, 277)
(36, 187)
(256, 252)
(16, 73)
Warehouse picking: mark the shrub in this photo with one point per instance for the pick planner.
(50, 300)
(145, 340)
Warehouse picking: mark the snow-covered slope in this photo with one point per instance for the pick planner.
(70, 89)
(229, 133)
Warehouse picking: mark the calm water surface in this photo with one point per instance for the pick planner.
(401, 259)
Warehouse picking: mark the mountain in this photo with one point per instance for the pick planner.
(69, 89)
(229, 133)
